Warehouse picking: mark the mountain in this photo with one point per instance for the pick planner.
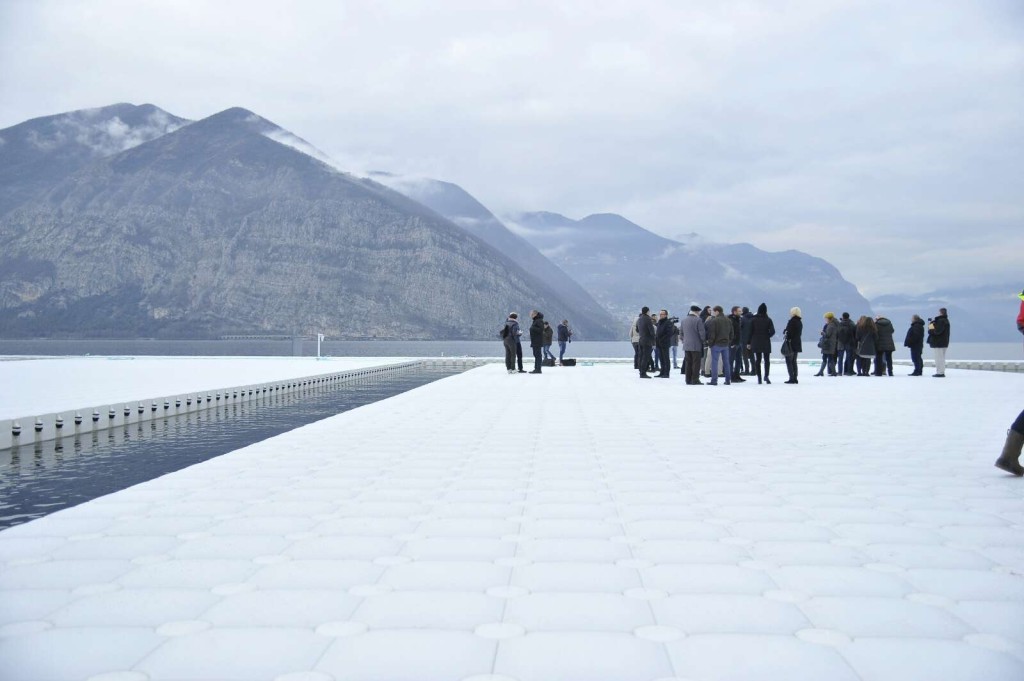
(976, 314)
(225, 226)
(626, 266)
(34, 153)
(453, 202)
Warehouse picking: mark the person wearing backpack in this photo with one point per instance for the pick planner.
(510, 334)
(536, 339)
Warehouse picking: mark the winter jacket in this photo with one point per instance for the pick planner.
(794, 328)
(549, 335)
(645, 325)
(915, 336)
(847, 334)
(675, 335)
(1020, 317)
(634, 332)
(537, 331)
(692, 333)
(830, 338)
(745, 319)
(564, 333)
(762, 329)
(885, 341)
(865, 343)
(514, 332)
(938, 332)
(663, 335)
(719, 331)
(735, 319)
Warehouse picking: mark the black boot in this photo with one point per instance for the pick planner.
(1009, 460)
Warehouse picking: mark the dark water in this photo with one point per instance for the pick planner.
(455, 348)
(37, 479)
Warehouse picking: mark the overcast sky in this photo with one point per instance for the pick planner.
(886, 137)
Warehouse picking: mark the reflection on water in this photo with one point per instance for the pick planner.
(40, 478)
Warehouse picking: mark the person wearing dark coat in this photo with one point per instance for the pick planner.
(549, 338)
(510, 340)
(693, 334)
(645, 329)
(846, 345)
(915, 341)
(938, 341)
(829, 343)
(762, 329)
(745, 341)
(735, 355)
(884, 346)
(674, 344)
(794, 328)
(564, 336)
(536, 339)
(866, 343)
(663, 341)
(720, 338)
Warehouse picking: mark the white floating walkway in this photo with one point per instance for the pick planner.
(582, 525)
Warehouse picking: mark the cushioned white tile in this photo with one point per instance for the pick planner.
(235, 654)
(903, 659)
(74, 653)
(428, 610)
(583, 656)
(729, 613)
(134, 608)
(881, 617)
(578, 612)
(744, 657)
(430, 655)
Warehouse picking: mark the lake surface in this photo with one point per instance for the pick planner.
(40, 478)
(456, 348)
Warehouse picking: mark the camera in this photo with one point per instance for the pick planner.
(674, 320)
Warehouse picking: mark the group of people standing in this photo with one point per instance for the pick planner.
(740, 343)
(848, 348)
(541, 338)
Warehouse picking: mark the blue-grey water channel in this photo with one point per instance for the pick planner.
(41, 478)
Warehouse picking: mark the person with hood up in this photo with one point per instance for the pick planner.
(645, 329)
(829, 344)
(536, 339)
(762, 329)
(510, 340)
(846, 345)
(794, 328)
(866, 343)
(884, 346)
(692, 334)
(915, 341)
(938, 341)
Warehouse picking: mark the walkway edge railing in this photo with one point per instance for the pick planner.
(72, 422)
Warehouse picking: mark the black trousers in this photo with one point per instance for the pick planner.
(915, 357)
(644, 359)
(519, 354)
(663, 363)
(691, 366)
(537, 361)
(883, 362)
(791, 366)
(636, 355)
(760, 357)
